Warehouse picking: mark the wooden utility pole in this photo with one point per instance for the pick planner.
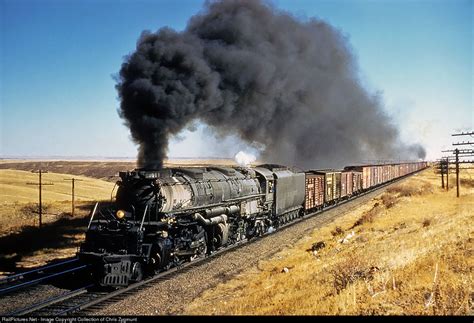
(73, 180)
(40, 185)
(456, 151)
(441, 168)
(447, 174)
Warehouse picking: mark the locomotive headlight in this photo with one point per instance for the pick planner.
(120, 214)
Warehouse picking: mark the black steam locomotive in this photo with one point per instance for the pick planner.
(164, 218)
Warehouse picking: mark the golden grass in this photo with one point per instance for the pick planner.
(19, 201)
(22, 243)
(411, 254)
(14, 187)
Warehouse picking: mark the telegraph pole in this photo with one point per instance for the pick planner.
(40, 185)
(447, 174)
(456, 151)
(463, 152)
(441, 168)
(73, 180)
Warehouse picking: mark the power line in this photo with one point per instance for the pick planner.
(463, 143)
(460, 151)
(469, 133)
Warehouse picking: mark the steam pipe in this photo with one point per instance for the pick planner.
(212, 221)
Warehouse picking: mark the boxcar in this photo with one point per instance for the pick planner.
(365, 173)
(314, 191)
(346, 183)
(332, 184)
(356, 182)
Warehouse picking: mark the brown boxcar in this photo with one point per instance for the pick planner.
(332, 184)
(386, 173)
(379, 175)
(374, 176)
(346, 183)
(314, 190)
(363, 178)
(351, 182)
(366, 178)
(356, 182)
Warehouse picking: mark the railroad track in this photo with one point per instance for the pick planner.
(36, 276)
(87, 298)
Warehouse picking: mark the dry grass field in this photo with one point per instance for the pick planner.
(19, 200)
(409, 252)
(22, 243)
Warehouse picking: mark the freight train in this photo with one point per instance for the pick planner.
(164, 218)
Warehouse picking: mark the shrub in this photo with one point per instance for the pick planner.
(468, 182)
(407, 191)
(337, 231)
(367, 217)
(389, 200)
(349, 271)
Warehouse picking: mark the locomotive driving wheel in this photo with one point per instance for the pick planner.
(137, 272)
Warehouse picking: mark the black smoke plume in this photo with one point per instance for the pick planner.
(246, 68)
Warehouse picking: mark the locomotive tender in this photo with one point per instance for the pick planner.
(163, 218)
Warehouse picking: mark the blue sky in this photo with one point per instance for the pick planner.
(58, 58)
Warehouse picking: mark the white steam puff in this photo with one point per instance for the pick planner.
(244, 159)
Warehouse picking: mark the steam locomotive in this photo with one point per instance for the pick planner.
(164, 218)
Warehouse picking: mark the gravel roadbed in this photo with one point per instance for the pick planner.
(27, 297)
(172, 295)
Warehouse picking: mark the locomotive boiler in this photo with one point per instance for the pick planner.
(163, 218)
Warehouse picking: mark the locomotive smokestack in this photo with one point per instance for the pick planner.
(246, 68)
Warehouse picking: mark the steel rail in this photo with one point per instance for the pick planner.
(18, 276)
(50, 301)
(38, 280)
